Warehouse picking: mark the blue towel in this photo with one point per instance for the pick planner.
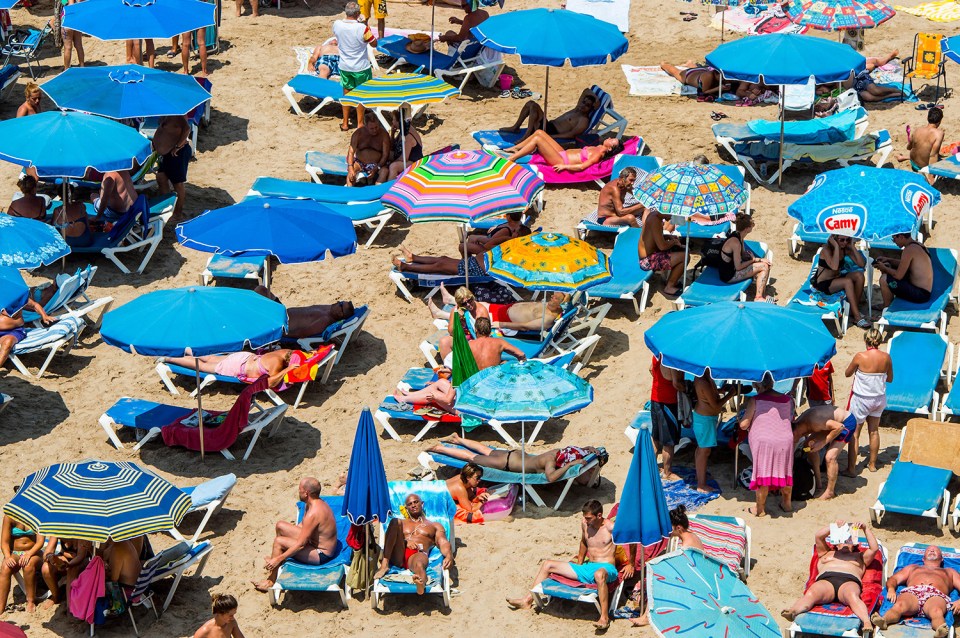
(913, 555)
(825, 130)
(685, 492)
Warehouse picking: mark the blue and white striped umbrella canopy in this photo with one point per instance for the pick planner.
(97, 501)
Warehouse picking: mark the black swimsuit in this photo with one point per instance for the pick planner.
(838, 579)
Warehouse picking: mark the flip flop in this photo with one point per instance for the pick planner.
(716, 116)
(688, 13)
(690, 18)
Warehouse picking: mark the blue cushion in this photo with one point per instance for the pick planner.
(825, 130)
(317, 87)
(212, 490)
(913, 489)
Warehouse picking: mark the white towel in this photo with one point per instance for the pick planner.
(652, 80)
(616, 12)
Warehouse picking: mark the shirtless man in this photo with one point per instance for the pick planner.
(911, 277)
(121, 562)
(31, 101)
(567, 125)
(472, 17)
(927, 593)
(610, 208)
(369, 153)
(313, 541)
(488, 351)
(245, 366)
(703, 78)
(170, 143)
(12, 331)
(840, 568)
(520, 315)
(310, 321)
(325, 59)
(463, 490)
(923, 144)
(117, 195)
(553, 463)
(595, 562)
(830, 427)
(706, 417)
(408, 543)
(656, 251)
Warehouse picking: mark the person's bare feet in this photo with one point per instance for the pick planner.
(263, 586)
(872, 468)
(397, 262)
(406, 253)
(826, 496)
(48, 603)
(879, 622)
(672, 293)
(641, 621)
(942, 631)
(453, 438)
(603, 624)
(670, 477)
(384, 568)
(789, 614)
(520, 603)
(849, 473)
(786, 507)
(31, 607)
(706, 489)
(753, 510)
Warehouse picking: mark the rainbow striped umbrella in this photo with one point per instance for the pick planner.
(548, 261)
(836, 15)
(399, 89)
(462, 186)
(97, 501)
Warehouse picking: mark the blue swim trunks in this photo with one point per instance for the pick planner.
(586, 571)
(849, 427)
(332, 61)
(705, 430)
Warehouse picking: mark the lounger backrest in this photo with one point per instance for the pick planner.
(644, 163)
(605, 102)
(623, 259)
(468, 50)
(437, 504)
(735, 173)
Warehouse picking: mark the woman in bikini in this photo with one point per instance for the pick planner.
(481, 241)
(521, 315)
(439, 394)
(247, 367)
(737, 263)
(29, 204)
(841, 268)
(21, 547)
(560, 159)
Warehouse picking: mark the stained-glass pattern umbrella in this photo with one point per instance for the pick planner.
(837, 15)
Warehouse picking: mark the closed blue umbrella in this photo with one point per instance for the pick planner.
(29, 243)
(138, 19)
(66, 144)
(125, 91)
(98, 501)
(740, 341)
(643, 516)
(14, 292)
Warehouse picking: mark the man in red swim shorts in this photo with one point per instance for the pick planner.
(409, 541)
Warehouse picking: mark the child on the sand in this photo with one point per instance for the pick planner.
(224, 622)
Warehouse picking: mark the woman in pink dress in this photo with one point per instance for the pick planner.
(768, 417)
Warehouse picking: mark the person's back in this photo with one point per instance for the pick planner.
(487, 351)
(117, 193)
(708, 397)
(323, 533)
(920, 269)
(352, 39)
(924, 143)
(651, 231)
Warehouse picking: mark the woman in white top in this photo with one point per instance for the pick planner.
(871, 370)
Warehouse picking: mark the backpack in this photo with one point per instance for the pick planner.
(710, 252)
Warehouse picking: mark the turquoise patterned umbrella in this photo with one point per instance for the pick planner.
(836, 15)
(29, 243)
(685, 189)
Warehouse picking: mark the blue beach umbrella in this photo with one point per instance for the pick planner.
(98, 501)
(643, 516)
(29, 243)
(694, 596)
(741, 341)
(138, 19)
(14, 292)
(66, 144)
(125, 91)
(6, 5)
(951, 48)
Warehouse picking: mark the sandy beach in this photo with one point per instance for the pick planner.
(254, 133)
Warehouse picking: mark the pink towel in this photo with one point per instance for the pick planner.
(86, 589)
(600, 170)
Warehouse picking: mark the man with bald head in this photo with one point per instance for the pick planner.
(313, 541)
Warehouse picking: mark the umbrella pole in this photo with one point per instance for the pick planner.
(546, 97)
(783, 115)
(196, 368)
(366, 562)
(723, 23)
(433, 21)
(686, 255)
(403, 138)
(869, 280)
(63, 229)
(523, 464)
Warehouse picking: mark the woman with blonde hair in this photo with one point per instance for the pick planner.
(31, 100)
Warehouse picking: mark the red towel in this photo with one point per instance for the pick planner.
(220, 437)
(86, 589)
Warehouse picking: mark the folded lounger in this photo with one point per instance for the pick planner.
(530, 480)
(628, 279)
(708, 288)
(833, 307)
(918, 626)
(918, 362)
(330, 576)
(918, 480)
(836, 619)
(439, 508)
(598, 173)
(931, 315)
(644, 164)
(63, 334)
(726, 539)
(322, 89)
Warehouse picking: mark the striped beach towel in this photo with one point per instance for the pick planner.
(723, 541)
(40, 338)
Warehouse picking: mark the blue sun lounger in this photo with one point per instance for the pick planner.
(918, 362)
(330, 576)
(707, 287)
(931, 315)
(530, 480)
(831, 308)
(918, 626)
(207, 497)
(322, 89)
(8, 79)
(628, 279)
(439, 508)
(323, 193)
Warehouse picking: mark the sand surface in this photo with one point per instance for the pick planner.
(254, 133)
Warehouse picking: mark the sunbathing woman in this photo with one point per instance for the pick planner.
(21, 547)
(553, 463)
(439, 265)
(244, 366)
(440, 394)
(29, 204)
(841, 268)
(703, 78)
(562, 160)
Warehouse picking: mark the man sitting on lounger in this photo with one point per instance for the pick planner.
(408, 543)
(310, 321)
(830, 427)
(12, 331)
(368, 158)
(313, 541)
(567, 125)
(927, 593)
(472, 18)
(659, 251)
(246, 367)
(116, 196)
(610, 209)
(840, 569)
(911, 277)
(488, 351)
(924, 143)
(595, 562)
(553, 463)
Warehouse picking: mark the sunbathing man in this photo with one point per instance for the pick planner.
(560, 159)
(313, 541)
(703, 78)
(439, 265)
(310, 321)
(552, 463)
(409, 540)
(12, 331)
(658, 251)
(611, 210)
(368, 158)
(246, 367)
(466, 492)
(520, 315)
(868, 90)
(483, 240)
(911, 277)
(472, 18)
(927, 593)
(594, 564)
(117, 195)
(567, 125)
(830, 427)
(924, 143)
(840, 569)
(325, 59)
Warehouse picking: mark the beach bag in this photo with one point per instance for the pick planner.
(362, 568)
(710, 252)
(804, 479)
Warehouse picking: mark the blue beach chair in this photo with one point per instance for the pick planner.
(331, 576)
(27, 48)
(918, 626)
(629, 280)
(207, 497)
(918, 362)
(137, 230)
(831, 308)
(9, 75)
(322, 89)
(62, 335)
(439, 508)
(931, 315)
(707, 287)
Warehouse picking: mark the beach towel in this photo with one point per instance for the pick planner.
(307, 364)
(600, 170)
(616, 12)
(891, 74)
(830, 152)
(652, 80)
(771, 20)
(937, 11)
(86, 589)
(684, 492)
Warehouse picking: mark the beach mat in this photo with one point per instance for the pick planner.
(685, 492)
(652, 80)
(772, 20)
(938, 11)
(616, 12)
